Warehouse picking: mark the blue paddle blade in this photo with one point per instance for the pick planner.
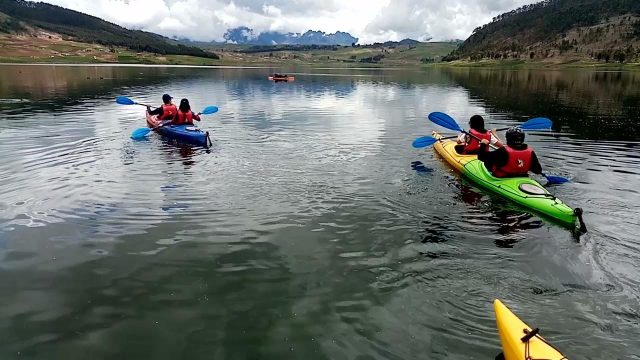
(209, 110)
(123, 100)
(140, 133)
(424, 141)
(554, 179)
(538, 123)
(445, 121)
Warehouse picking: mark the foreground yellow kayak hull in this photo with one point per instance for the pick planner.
(511, 330)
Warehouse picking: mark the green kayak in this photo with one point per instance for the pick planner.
(522, 190)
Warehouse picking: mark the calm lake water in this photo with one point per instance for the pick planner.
(304, 232)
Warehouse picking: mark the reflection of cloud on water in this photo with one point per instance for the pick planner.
(332, 117)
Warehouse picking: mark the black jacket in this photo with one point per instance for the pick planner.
(157, 111)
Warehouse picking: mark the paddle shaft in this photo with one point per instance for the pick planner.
(479, 140)
(135, 103)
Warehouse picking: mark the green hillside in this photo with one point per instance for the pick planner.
(571, 29)
(20, 15)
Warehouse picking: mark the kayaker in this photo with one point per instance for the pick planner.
(165, 112)
(512, 160)
(469, 145)
(185, 116)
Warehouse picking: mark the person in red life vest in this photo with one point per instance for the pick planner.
(185, 116)
(165, 112)
(512, 160)
(468, 144)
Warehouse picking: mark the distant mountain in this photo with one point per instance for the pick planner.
(20, 15)
(574, 29)
(245, 35)
(410, 41)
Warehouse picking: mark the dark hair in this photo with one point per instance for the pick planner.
(184, 105)
(477, 123)
(166, 98)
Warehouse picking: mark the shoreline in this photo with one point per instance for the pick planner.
(459, 64)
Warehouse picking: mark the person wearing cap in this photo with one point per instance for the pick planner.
(165, 112)
(513, 159)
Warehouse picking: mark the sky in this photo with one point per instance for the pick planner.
(368, 20)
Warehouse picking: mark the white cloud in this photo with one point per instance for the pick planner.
(369, 20)
(442, 20)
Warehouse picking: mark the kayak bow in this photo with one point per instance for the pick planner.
(519, 341)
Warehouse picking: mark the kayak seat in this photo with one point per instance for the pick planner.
(532, 189)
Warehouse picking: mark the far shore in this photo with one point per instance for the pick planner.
(57, 51)
(187, 61)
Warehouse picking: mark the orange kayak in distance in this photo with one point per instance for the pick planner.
(282, 78)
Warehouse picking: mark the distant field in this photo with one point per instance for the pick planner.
(50, 48)
(46, 47)
(346, 56)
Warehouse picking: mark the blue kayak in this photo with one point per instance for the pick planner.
(189, 134)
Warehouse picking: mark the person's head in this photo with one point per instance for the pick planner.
(184, 105)
(166, 98)
(515, 136)
(477, 123)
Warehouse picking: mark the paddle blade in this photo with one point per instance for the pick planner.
(554, 179)
(209, 110)
(140, 133)
(123, 100)
(445, 121)
(424, 142)
(538, 123)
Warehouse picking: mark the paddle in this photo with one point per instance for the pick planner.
(538, 123)
(140, 133)
(554, 179)
(123, 100)
(429, 140)
(448, 122)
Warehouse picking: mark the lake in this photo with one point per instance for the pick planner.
(304, 232)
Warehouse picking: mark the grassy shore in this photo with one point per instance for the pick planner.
(555, 64)
(51, 49)
(45, 47)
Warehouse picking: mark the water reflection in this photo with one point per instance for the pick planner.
(590, 104)
(304, 231)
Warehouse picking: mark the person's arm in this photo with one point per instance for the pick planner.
(495, 140)
(157, 111)
(462, 138)
(196, 116)
(485, 156)
(490, 159)
(536, 168)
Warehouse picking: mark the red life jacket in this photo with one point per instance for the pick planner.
(184, 118)
(168, 111)
(474, 145)
(518, 163)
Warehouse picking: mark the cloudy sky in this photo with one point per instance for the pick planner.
(369, 20)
